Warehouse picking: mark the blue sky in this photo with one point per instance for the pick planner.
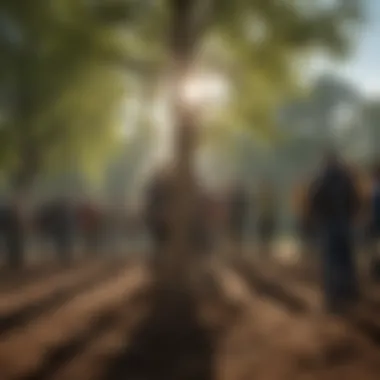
(363, 67)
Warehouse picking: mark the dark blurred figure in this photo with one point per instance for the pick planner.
(170, 342)
(202, 234)
(158, 200)
(374, 224)
(13, 233)
(334, 204)
(238, 213)
(304, 222)
(90, 220)
(218, 219)
(57, 223)
(266, 222)
(363, 182)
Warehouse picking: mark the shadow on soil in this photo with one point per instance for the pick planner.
(169, 344)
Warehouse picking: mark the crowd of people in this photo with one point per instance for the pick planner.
(336, 210)
(60, 223)
(217, 217)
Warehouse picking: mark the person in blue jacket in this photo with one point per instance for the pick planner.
(374, 224)
(334, 203)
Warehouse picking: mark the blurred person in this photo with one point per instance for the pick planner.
(334, 205)
(238, 213)
(218, 216)
(374, 224)
(203, 238)
(12, 230)
(91, 219)
(304, 224)
(65, 219)
(135, 227)
(266, 218)
(43, 220)
(57, 223)
(157, 209)
(363, 181)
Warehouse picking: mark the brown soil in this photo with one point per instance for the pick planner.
(225, 328)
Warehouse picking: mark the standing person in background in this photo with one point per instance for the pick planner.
(334, 203)
(12, 230)
(64, 220)
(91, 226)
(266, 221)
(374, 224)
(56, 221)
(219, 220)
(157, 210)
(363, 183)
(238, 212)
(304, 223)
(201, 234)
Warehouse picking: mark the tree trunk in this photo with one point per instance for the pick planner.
(183, 43)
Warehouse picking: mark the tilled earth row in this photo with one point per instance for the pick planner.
(350, 344)
(102, 320)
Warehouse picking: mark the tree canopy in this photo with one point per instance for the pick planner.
(65, 65)
(63, 80)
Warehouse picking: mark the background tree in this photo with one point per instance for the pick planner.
(63, 80)
(64, 73)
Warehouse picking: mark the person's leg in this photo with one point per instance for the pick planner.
(352, 285)
(330, 270)
(340, 267)
(326, 278)
(374, 260)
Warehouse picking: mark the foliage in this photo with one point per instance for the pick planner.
(64, 62)
(270, 39)
(63, 77)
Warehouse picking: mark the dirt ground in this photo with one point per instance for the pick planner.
(104, 321)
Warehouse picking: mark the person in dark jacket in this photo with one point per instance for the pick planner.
(334, 205)
(12, 231)
(374, 224)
